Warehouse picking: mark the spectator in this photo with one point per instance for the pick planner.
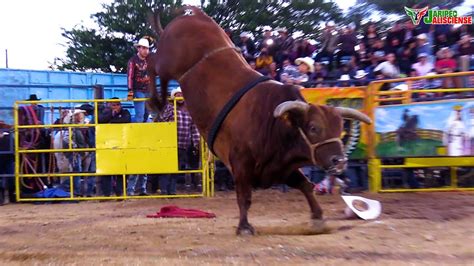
(409, 31)
(300, 76)
(7, 163)
(424, 46)
(404, 62)
(319, 73)
(289, 72)
(138, 79)
(263, 61)
(274, 73)
(446, 64)
(328, 44)
(393, 46)
(440, 41)
(388, 68)
(396, 33)
(114, 114)
(370, 34)
(301, 48)
(465, 45)
(72, 161)
(267, 41)
(346, 69)
(362, 56)
(284, 44)
(378, 50)
(423, 66)
(38, 108)
(348, 41)
(247, 46)
(345, 81)
(361, 78)
(188, 142)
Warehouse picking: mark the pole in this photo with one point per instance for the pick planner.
(6, 58)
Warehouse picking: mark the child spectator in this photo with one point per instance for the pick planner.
(423, 66)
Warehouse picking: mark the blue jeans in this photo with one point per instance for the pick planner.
(140, 109)
(133, 181)
(168, 182)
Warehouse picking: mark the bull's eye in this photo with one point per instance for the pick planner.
(313, 130)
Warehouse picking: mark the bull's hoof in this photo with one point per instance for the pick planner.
(245, 230)
(318, 226)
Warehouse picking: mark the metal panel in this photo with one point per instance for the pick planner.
(136, 148)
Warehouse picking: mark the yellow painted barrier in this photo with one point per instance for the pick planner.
(404, 98)
(121, 150)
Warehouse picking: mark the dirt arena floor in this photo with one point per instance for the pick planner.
(415, 229)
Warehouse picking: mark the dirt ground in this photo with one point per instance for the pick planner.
(415, 228)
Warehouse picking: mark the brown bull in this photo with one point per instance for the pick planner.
(269, 134)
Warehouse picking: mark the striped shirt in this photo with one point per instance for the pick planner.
(187, 132)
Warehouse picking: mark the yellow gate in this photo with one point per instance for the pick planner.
(120, 149)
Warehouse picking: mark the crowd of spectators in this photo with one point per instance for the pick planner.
(345, 56)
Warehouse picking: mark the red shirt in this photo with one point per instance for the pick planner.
(446, 63)
(137, 75)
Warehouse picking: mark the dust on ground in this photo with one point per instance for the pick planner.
(415, 228)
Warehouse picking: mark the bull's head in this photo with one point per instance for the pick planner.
(320, 127)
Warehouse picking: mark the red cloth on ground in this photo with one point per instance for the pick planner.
(172, 211)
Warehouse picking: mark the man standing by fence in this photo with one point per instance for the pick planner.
(188, 143)
(138, 79)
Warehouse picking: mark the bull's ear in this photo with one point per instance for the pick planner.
(293, 112)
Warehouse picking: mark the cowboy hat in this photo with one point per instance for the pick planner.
(282, 29)
(306, 60)
(174, 92)
(345, 77)
(143, 43)
(267, 28)
(33, 97)
(360, 74)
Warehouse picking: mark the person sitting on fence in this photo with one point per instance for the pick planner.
(188, 139)
(113, 114)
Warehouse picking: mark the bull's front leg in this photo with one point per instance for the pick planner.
(244, 199)
(301, 182)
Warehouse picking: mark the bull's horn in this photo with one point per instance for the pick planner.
(290, 105)
(353, 114)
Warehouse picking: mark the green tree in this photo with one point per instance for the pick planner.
(108, 47)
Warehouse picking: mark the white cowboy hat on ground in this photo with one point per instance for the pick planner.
(372, 211)
(360, 74)
(174, 91)
(306, 60)
(345, 77)
(143, 43)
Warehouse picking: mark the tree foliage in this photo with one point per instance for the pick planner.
(121, 23)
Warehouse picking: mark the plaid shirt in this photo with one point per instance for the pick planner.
(187, 131)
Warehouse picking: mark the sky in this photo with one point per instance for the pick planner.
(31, 29)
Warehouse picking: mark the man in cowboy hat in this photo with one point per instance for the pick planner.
(38, 108)
(188, 143)
(299, 77)
(138, 78)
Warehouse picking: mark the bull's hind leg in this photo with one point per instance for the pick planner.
(244, 199)
(299, 181)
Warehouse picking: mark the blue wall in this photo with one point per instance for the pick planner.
(16, 84)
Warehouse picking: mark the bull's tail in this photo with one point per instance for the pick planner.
(154, 20)
(155, 102)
